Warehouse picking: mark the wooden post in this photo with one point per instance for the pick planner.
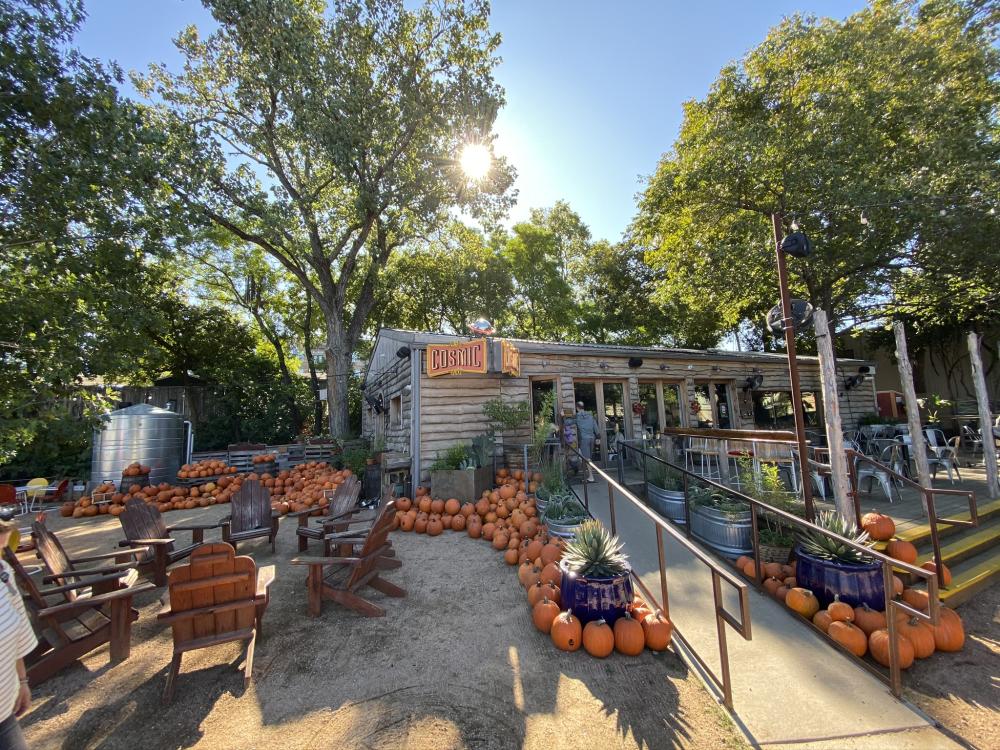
(834, 430)
(985, 418)
(917, 448)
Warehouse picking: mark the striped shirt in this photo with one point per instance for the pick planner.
(17, 639)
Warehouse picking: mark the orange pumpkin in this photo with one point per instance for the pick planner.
(822, 620)
(849, 636)
(901, 550)
(566, 631)
(420, 525)
(540, 591)
(771, 585)
(404, 504)
(917, 598)
(949, 633)
(452, 506)
(598, 639)
(945, 573)
(474, 529)
(551, 553)
(918, 633)
(629, 638)
(878, 644)
(839, 611)
(529, 574)
(543, 614)
(802, 601)
(878, 526)
(509, 557)
(741, 561)
(868, 619)
(552, 574)
(657, 629)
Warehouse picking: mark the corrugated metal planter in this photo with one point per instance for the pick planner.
(466, 485)
(595, 598)
(668, 503)
(728, 533)
(566, 531)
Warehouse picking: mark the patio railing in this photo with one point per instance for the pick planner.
(720, 573)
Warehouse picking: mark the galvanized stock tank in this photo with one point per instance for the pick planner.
(152, 436)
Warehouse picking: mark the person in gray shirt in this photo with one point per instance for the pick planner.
(586, 432)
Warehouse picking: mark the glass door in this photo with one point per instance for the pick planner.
(711, 406)
(606, 401)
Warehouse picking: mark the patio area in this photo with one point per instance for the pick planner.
(456, 664)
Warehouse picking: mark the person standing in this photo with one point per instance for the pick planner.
(586, 433)
(17, 640)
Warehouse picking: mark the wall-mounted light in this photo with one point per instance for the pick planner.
(663, 367)
(853, 381)
(753, 382)
(603, 365)
(407, 389)
(635, 362)
(403, 352)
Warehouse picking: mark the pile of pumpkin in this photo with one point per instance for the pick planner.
(105, 499)
(862, 629)
(136, 469)
(265, 458)
(303, 486)
(206, 468)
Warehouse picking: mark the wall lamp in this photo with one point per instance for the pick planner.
(635, 362)
(864, 374)
(403, 352)
(753, 382)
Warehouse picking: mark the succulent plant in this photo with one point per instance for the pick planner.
(563, 508)
(820, 545)
(595, 552)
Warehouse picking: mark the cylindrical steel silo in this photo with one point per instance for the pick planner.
(147, 434)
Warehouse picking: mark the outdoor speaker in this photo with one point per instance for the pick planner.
(634, 362)
(797, 245)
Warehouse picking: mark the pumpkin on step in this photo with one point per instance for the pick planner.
(879, 527)
(822, 620)
(901, 550)
(598, 639)
(945, 573)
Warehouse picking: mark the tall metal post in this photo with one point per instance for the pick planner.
(788, 323)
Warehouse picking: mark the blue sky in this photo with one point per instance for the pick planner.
(594, 87)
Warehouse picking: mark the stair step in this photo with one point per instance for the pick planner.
(966, 545)
(921, 533)
(971, 577)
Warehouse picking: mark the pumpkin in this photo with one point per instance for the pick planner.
(551, 553)
(529, 574)
(452, 506)
(500, 540)
(404, 504)
(420, 525)
(949, 633)
(782, 593)
(539, 591)
(850, 636)
(771, 585)
(741, 561)
(629, 638)
(657, 629)
(424, 505)
(750, 569)
(916, 632)
(488, 530)
(868, 619)
(446, 520)
(878, 644)
(509, 557)
(822, 620)
(474, 529)
(901, 550)
(544, 613)
(566, 631)
(639, 609)
(790, 582)
(598, 639)
(437, 506)
(839, 611)
(533, 549)
(945, 573)
(917, 598)
(467, 509)
(897, 586)
(772, 570)
(552, 574)
(458, 522)
(878, 526)
(66, 510)
(802, 601)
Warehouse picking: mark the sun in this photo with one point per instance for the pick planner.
(475, 161)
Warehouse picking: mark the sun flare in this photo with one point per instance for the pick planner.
(475, 161)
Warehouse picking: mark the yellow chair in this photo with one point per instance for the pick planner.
(33, 490)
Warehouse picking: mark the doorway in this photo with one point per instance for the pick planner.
(605, 399)
(711, 407)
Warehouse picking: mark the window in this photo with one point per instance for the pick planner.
(772, 410)
(650, 409)
(657, 416)
(396, 411)
(539, 390)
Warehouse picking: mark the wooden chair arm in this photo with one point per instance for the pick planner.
(132, 542)
(88, 572)
(194, 526)
(106, 555)
(325, 560)
(91, 602)
(80, 584)
(265, 577)
(299, 513)
(345, 539)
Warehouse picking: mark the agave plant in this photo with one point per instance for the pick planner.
(820, 545)
(594, 552)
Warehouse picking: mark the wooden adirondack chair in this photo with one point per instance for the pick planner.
(340, 578)
(216, 598)
(355, 525)
(144, 527)
(65, 569)
(252, 516)
(343, 501)
(74, 625)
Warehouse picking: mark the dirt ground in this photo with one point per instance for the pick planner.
(456, 664)
(962, 691)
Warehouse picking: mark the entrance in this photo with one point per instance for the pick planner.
(605, 399)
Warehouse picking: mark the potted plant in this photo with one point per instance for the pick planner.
(933, 404)
(776, 539)
(563, 514)
(720, 521)
(506, 416)
(829, 568)
(665, 491)
(464, 471)
(553, 483)
(596, 577)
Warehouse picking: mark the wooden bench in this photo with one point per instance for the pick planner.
(251, 516)
(218, 597)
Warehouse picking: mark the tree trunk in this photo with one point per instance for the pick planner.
(338, 365)
(313, 377)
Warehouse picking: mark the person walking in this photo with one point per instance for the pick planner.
(586, 433)
(17, 640)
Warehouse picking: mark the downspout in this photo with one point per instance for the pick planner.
(415, 417)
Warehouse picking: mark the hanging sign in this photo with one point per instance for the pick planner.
(510, 359)
(454, 359)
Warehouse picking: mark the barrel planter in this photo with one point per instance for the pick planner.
(855, 584)
(668, 503)
(728, 533)
(595, 598)
(566, 531)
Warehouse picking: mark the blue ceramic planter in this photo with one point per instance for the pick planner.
(855, 584)
(595, 598)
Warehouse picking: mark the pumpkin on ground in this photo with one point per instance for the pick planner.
(529, 574)
(839, 611)
(434, 527)
(771, 585)
(598, 639)
(868, 619)
(878, 644)
(879, 527)
(917, 598)
(551, 553)
(802, 601)
(566, 631)
(901, 550)
(543, 614)
(639, 608)
(822, 620)
(458, 523)
(849, 636)
(629, 638)
(543, 591)
(945, 573)
(918, 633)
(657, 629)
(510, 556)
(552, 574)
(949, 633)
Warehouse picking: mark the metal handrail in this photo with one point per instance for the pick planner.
(892, 605)
(719, 574)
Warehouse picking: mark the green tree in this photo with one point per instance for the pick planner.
(543, 305)
(328, 139)
(892, 109)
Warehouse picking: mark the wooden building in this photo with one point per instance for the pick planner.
(632, 390)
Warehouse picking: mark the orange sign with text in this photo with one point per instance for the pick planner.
(454, 359)
(510, 359)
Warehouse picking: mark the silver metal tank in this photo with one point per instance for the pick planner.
(152, 436)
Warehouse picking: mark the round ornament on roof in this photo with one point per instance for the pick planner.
(481, 327)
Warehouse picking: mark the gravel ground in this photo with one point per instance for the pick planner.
(962, 691)
(456, 664)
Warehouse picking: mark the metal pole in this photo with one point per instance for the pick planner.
(793, 366)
